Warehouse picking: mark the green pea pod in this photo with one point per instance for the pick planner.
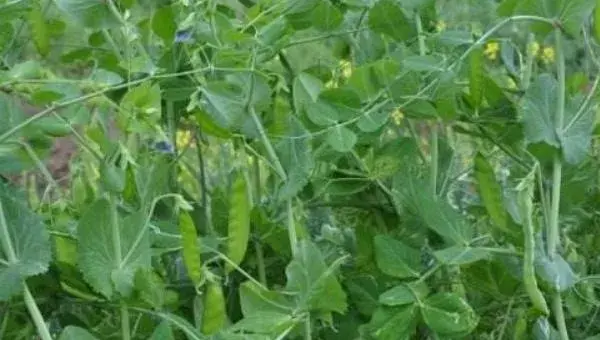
(214, 315)
(191, 252)
(525, 194)
(112, 177)
(55, 128)
(238, 228)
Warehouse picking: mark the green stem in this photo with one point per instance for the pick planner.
(36, 315)
(291, 227)
(420, 35)
(553, 232)
(527, 70)
(434, 129)
(260, 256)
(434, 159)
(125, 323)
(307, 328)
(260, 259)
(203, 183)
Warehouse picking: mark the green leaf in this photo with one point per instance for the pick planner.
(393, 323)
(368, 80)
(182, 324)
(306, 90)
(163, 24)
(296, 157)
(321, 113)
(112, 247)
(363, 292)
(570, 13)
(373, 120)
(326, 17)
(556, 273)
(436, 213)
(255, 299)
(386, 17)
(263, 322)
(538, 107)
(150, 288)
(423, 63)
(396, 259)
(162, 332)
(102, 77)
(224, 104)
(238, 227)
(404, 294)
(341, 139)
(39, 29)
(24, 242)
(89, 13)
(577, 131)
(142, 105)
(314, 284)
(420, 109)
(448, 313)
(490, 192)
(191, 250)
(76, 333)
(459, 255)
(10, 113)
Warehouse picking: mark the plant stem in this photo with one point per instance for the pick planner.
(36, 315)
(260, 256)
(552, 231)
(307, 328)
(203, 182)
(434, 129)
(434, 159)
(125, 325)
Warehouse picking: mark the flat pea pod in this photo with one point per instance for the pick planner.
(191, 251)
(238, 228)
(214, 315)
(525, 195)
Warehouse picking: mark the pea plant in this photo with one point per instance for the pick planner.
(299, 169)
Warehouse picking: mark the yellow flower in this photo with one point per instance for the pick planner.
(183, 138)
(440, 26)
(346, 68)
(547, 54)
(533, 48)
(397, 117)
(491, 50)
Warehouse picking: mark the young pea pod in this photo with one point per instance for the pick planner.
(214, 315)
(525, 194)
(238, 229)
(191, 253)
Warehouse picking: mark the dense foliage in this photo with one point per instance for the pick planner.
(287, 169)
